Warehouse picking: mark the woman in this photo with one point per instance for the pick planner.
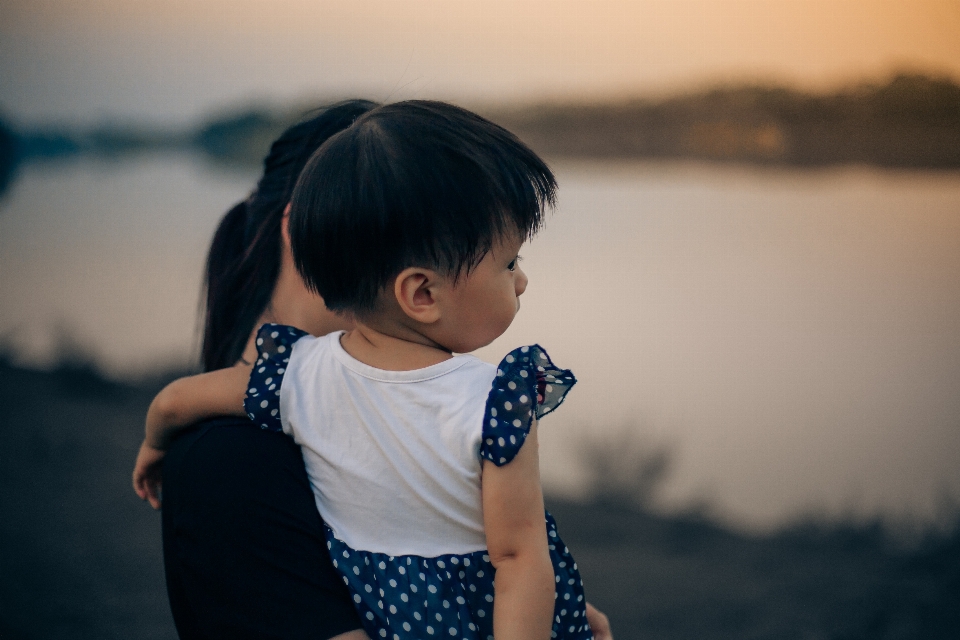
(244, 547)
(244, 550)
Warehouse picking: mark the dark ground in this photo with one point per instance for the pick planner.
(80, 554)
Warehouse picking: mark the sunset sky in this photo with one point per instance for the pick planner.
(85, 61)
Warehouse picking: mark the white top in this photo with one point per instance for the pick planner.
(393, 457)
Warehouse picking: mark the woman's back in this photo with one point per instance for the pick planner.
(243, 545)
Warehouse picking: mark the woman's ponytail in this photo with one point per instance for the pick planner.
(233, 297)
(244, 259)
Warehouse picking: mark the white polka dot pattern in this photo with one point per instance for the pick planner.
(528, 384)
(450, 596)
(262, 402)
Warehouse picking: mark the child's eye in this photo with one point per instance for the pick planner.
(513, 263)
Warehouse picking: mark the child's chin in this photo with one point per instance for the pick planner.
(469, 346)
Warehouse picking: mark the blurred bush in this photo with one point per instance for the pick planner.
(625, 469)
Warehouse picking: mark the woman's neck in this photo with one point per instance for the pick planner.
(293, 304)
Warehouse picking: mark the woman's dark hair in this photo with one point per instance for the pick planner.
(244, 259)
(413, 183)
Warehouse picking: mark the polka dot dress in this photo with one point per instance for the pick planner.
(448, 596)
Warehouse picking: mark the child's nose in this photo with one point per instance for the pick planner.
(520, 283)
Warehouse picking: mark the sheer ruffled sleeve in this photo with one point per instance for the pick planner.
(527, 385)
(262, 402)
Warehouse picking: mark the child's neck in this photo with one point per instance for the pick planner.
(392, 346)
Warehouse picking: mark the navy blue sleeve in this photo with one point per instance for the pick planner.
(262, 402)
(527, 385)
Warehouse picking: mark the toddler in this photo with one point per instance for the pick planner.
(423, 462)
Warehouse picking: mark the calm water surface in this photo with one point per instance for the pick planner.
(794, 337)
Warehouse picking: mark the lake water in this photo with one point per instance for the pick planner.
(793, 337)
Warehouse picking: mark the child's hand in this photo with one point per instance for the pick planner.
(147, 474)
(599, 623)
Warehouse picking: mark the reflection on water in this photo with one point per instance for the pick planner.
(795, 337)
(111, 253)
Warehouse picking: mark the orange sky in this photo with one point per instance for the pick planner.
(177, 59)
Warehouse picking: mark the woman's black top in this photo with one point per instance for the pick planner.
(243, 543)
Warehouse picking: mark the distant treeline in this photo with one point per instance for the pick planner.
(911, 121)
(241, 139)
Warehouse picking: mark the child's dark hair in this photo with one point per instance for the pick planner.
(414, 183)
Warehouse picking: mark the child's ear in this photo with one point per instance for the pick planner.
(416, 292)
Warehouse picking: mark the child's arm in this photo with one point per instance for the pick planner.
(181, 403)
(189, 400)
(513, 518)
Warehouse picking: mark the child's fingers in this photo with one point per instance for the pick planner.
(153, 494)
(138, 487)
(147, 474)
(147, 487)
(599, 623)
